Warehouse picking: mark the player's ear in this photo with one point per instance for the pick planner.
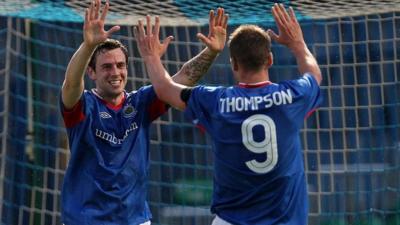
(234, 64)
(270, 60)
(91, 73)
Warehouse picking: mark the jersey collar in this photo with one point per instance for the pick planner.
(254, 85)
(111, 106)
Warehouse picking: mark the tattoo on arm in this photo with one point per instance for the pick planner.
(195, 68)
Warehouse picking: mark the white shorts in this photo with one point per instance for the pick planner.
(218, 221)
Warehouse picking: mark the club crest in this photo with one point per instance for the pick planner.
(129, 111)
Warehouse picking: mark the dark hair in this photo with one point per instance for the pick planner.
(249, 46)
(107, 45)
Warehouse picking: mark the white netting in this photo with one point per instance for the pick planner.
(325, 9)
(186, 12)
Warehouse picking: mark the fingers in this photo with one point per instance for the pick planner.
(97, 9)
(283, 14)
(91, 10)
(140, 29)
(221, 19)
(138, 32)
(217, 19)
(272, 35)
(203, 38)
(276, 14)
(288, 26)
(149, 26)
(220, 16)
(94, 10)
(105, 10)
(157, 27)
(225, 21)
(139, 38)
(135, 32)
(86, 16)
(148, 39)
(293, 15)
(211, 21)
(166, 42)
(112, 30)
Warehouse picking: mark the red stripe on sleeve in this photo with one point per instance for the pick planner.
(310, 113)
(73, 116)
(201, 128)
(156, 109)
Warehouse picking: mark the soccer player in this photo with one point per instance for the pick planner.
(108, 127)
(259, 176)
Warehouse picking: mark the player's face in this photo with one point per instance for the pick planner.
(111, 73)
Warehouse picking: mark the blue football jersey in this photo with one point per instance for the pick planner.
(259, 174)
(106, 178)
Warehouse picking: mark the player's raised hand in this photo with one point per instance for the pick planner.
(93, 27)
(148, 39)
(290, 33)
(216, 38)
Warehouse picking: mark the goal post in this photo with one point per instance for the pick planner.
(351, 143)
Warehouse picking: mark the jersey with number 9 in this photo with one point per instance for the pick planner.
(258, 168)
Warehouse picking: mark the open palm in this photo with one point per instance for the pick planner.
(216, 38)
(149, 39)
(93, 26)
(289, 30)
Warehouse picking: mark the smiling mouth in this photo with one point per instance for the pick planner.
(115, 82)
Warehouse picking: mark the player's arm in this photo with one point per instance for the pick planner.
(93, 34)
(194, 69)
(167, 88)
(151, 50)
(291, 35)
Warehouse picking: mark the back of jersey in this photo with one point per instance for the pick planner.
(259, 173)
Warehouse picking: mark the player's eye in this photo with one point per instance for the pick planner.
(106, 66)
(121, 65)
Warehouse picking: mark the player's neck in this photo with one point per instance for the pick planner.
(110, 100)
(253, 77)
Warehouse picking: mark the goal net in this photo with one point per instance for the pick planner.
(351, 144)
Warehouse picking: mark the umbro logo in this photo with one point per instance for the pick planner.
(105, 115)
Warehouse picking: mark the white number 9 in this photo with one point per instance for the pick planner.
(268, 145)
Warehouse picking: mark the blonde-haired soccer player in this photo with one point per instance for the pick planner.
(259, 176)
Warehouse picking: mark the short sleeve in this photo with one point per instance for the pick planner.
(308, 88)
(202, 105)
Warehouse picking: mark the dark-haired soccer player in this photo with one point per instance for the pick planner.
(106, 178)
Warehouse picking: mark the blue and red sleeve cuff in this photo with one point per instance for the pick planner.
(74, 115)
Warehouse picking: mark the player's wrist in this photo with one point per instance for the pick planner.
(298, 48)
(213, 52)
(89, 45)
(151, 58)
